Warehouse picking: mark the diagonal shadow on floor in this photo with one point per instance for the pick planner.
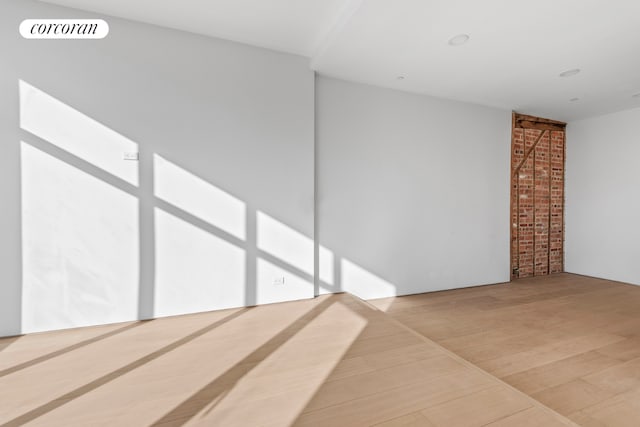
(74, 394)
(65, 350)
(221, 385)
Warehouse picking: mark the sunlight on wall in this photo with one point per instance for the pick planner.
(81, 235)
(289, 386)
(293, 288)
(285, 243)
(362, 283)
(195, 270)
(61, 125)
(80, 247)
(197, 197)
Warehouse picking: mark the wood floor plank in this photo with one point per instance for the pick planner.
(619, 378)
(541, 355)
(616, 411)
(477, 409)
(572, 396)
(374, 409)
(559, 372)
(357, 386)
(334, 360)
(532, 417)
(583, 419)
(415, 419)
(573, 342)
(623, 350)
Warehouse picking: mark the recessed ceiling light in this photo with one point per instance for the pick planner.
(400, 78)
(459, 39)
(570, 73)
(574, 99)
(636, 95)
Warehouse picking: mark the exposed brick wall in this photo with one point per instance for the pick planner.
(537, 202)
(557, 202)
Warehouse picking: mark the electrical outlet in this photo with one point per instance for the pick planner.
(278, 281)
(131, 155)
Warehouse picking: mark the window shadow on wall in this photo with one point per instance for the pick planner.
(108, 240)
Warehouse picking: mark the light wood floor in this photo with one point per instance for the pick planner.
(571, 342)
(542, 352)
(332, 361)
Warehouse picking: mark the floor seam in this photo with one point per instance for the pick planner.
(467, 363)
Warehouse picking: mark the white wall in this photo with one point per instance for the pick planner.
(413, 191)
(602, 203)
(223, 188)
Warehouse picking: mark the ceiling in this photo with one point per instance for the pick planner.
(513, 59)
